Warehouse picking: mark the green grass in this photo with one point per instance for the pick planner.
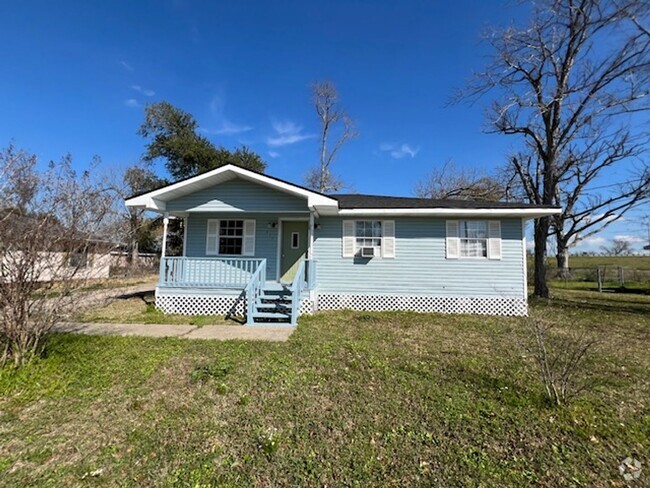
(363, 399)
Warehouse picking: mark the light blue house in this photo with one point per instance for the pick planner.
(271, 250)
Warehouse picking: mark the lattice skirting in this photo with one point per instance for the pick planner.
(418, 303)
(212, 304)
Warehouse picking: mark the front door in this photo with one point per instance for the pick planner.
(293, 248)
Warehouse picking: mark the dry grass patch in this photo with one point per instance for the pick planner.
(372, 399)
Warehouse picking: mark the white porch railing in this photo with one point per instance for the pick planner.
(207, 272)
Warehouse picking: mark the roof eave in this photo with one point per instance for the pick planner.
(529, 213)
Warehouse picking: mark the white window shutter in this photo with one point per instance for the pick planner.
(212, 237)
(388, 239)
(494, 239)
(348, 239)
(248, 248)
(452, 240)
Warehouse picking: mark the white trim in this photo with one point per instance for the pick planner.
(492, 212)
(185, 219)
(149, 200)
(310, 236)
(278, 264)
(163, 251)
(525, 257)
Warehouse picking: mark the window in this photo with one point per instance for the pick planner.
(473, 238)
(231, 237)
(368, 235)
(295, 240)
(368, 238)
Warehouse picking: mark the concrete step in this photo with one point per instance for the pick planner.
(271, 315)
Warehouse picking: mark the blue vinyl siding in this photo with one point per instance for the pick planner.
(238, 195)
(266, 239)
(420, 266)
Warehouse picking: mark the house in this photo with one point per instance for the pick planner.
(272, 250)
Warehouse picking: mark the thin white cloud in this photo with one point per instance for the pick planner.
(225, 126)
(143, 91)
(399, 151)
(228, 128)
(286, 133)
(126, 66)
(629, 238)
(131, 102)
(593, 241)
(274, 154)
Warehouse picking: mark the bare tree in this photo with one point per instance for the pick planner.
(134, 225)
(619, 247)
(49, 222)
(334, 121)
(451, 182)
(571, 86)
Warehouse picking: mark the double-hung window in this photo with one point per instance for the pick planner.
(368, 235)
(230, 237)
(473, 238)
(368, 239)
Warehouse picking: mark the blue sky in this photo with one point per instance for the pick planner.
(77, 75)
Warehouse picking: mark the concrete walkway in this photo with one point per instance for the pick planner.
(277, 333)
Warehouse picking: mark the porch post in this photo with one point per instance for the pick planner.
(164, 239)
(310, 255)
(310, 234)
(184, 236)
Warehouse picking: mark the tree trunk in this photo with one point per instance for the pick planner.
(562, 258)
(541, 232)
(135, 253)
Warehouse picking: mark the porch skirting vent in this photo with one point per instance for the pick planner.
(516, 306)
(206, 304)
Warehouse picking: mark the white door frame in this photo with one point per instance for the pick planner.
(279, 251)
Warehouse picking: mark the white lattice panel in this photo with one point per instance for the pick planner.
(212, 304)
(440, 304)
(201, 304)
(306, 307)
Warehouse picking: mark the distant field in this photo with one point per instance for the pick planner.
(642, 262)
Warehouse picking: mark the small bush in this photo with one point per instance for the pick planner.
(560, 360)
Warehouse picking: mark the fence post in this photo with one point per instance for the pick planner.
(600, 280)
(621, 275)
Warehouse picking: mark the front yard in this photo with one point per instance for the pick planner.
(352, 399)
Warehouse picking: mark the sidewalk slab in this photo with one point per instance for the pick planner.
(145, 330)
(277, 333)
(210, 332)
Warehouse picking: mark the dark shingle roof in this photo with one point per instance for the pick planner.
(350, 201)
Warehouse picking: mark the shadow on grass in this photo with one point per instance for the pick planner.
(147, 297)
(626, 307)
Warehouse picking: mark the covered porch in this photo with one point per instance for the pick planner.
(244, 280)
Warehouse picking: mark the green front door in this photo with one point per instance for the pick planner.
(293, 249)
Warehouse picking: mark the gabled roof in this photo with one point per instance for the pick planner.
(156, 199)
(343, 204)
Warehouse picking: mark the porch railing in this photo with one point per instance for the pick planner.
(254, 289)
(208, 272)
(305, 279)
